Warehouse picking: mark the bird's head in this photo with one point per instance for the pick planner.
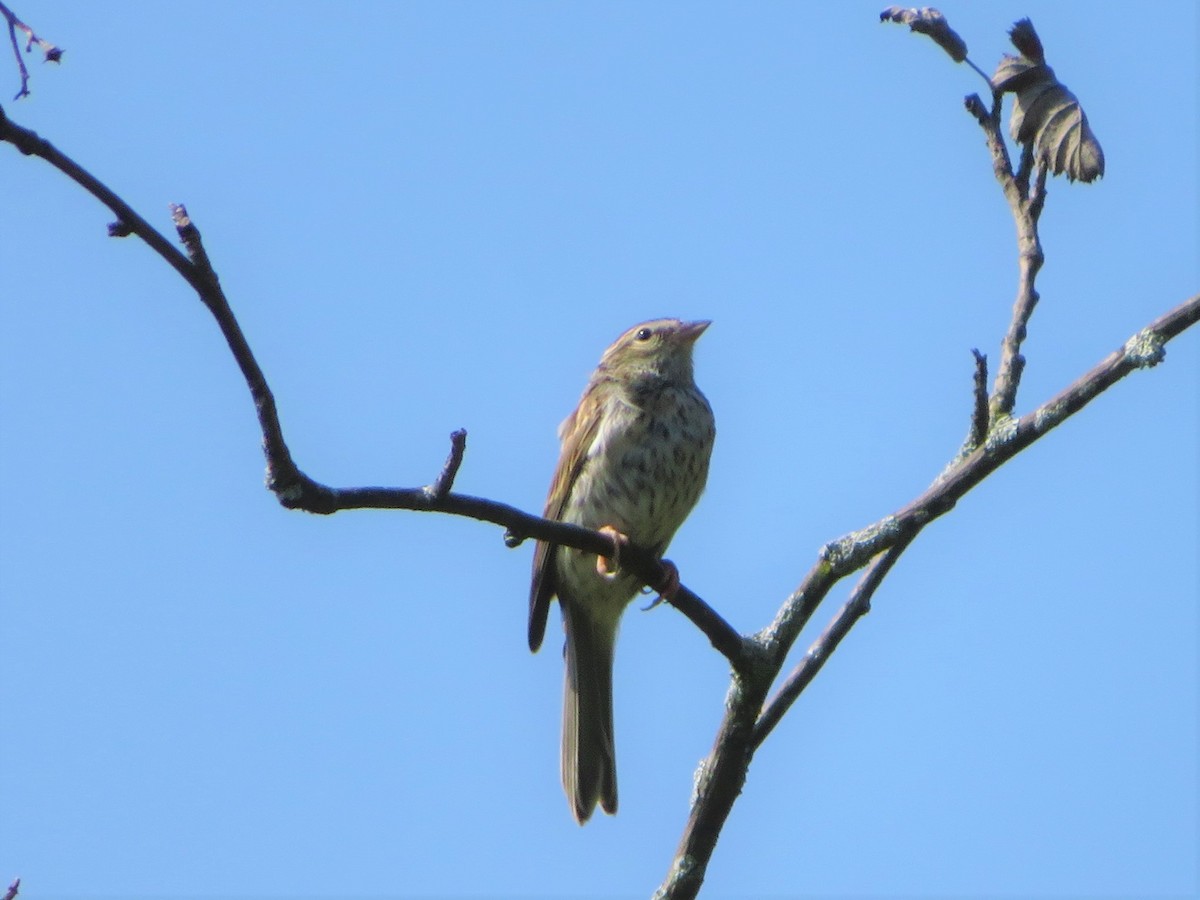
(659, 348)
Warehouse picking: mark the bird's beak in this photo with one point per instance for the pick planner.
(690, 332)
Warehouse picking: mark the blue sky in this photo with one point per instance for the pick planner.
(437, 215)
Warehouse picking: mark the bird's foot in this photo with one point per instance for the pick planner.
(668, 585)
(610, 566)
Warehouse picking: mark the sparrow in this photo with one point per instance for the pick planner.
(634, 461)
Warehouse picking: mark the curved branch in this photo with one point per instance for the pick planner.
(29, 143)
(296, 490)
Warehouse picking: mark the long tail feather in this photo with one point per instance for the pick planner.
(589, 763)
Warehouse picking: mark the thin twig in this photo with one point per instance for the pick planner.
(980, 420)
(989, 121)
(1012, 362)
(982, 74)
(857, 606)
(1025, 204)
(445, 480)
(12, 36)
(53, 54)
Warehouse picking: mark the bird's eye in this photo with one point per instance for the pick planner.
(643, 334)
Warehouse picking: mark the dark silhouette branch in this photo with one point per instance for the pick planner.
(296, 490)
(445, 480)
(741, 653)
(129, 222)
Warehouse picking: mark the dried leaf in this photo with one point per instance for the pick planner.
(1025, 39)
(1015, 73)
(1046, 114)
(929, 21)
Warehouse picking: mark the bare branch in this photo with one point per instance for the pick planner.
(1025, 204)
(129, 222)
(720, 778)
(979, 415)
(445, 480)
(1050, 126)
(740, 652)
(995, 438)
(296, 490)
(989, 121)
(857, 606)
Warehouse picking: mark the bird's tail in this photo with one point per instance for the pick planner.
(589, 761)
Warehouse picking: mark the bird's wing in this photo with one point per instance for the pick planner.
(578, 432)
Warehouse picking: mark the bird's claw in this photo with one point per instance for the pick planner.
(667, 587)
(610, 566)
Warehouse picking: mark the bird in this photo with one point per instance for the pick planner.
(633, 463)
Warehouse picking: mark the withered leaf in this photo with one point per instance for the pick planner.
(1046, 114)
(929, 21)
(1026, 41)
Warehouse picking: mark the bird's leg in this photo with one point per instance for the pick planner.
(610, 567)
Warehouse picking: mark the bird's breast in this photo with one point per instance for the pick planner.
(646, 467)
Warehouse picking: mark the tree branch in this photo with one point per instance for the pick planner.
(995, 438)
(1026, 207)
(1145, 349)
(857, 606)
(129, 222)
(296, 490)
(721, 776)
(445, 480)
(980, 415)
